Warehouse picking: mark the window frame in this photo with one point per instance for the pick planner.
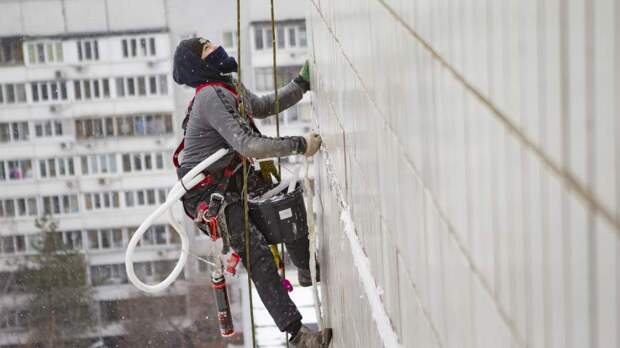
(88, 50)
(12, 93)
(136, 47)
(44, 52)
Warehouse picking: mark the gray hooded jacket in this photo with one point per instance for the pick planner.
(215, 123)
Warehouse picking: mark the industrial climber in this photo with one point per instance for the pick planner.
(214, 120)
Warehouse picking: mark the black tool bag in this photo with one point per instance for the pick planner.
(281, 218)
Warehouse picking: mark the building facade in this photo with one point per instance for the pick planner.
(470, 172)
(87, 133)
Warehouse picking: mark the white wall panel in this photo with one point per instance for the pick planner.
(122, 14)
(11, 23)
(86, 16)
(475, 144)
(42, 17)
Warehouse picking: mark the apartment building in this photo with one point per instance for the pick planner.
(86, 134)
(89, 117)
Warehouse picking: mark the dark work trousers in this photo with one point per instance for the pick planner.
(263, 268)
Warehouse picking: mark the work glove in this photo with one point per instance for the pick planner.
(303, 79)
(304, 72)
(313, 143)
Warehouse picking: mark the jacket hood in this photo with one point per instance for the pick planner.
(190, 70)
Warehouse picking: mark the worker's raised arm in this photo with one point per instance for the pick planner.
(218, 106)
(288, 95)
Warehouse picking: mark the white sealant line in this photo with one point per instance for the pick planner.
(362, 264)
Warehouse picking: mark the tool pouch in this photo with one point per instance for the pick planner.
(281, 218)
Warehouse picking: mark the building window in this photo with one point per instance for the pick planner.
(229, 39)
(108, 274)
(48, 91)
(45, 52)
(12, 93)
(94, 128)
(11, 51)
(56, 167)
(88, 50)
(61, 204)
(139, 162)
(280, 37)
(140, 86)
(144, 125)
(103, 239)
(17, 207)
(72, 239)
(91, 89)
(145, 197)
(12, 244)
(138, 47)
(98, 164)
(268, 38)
(303, 40)
(13, 170)
(156, 235)
(287, 36)
(292, 37)
(13, 319)
(258, 38)
(131, 125)
(264, 77)
(49, 128)
(14, 132)
(101, 200)
(163, 84)
(229, 42)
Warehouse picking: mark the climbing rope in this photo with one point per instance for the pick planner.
(277, 109)
(244, 193)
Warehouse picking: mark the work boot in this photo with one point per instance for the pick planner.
(304, 277)
(308, 339)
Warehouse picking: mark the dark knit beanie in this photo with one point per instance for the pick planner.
(194, 44)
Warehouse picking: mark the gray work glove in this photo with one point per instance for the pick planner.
(313, 143)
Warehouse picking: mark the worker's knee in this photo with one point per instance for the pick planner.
(260, 255)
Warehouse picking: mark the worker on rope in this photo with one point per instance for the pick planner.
(214, 121)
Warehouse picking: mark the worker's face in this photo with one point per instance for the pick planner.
(207, 48)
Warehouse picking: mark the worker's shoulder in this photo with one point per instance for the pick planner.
(214, 91)
(212, 98)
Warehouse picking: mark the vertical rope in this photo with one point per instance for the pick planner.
(277, 109)
(244, 193)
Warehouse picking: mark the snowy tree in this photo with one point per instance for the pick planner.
(60, 306)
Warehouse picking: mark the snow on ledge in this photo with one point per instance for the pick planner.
(361, 262)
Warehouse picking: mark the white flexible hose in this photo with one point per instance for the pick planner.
(191, 179)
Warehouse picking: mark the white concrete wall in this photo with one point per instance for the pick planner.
(476, 145)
